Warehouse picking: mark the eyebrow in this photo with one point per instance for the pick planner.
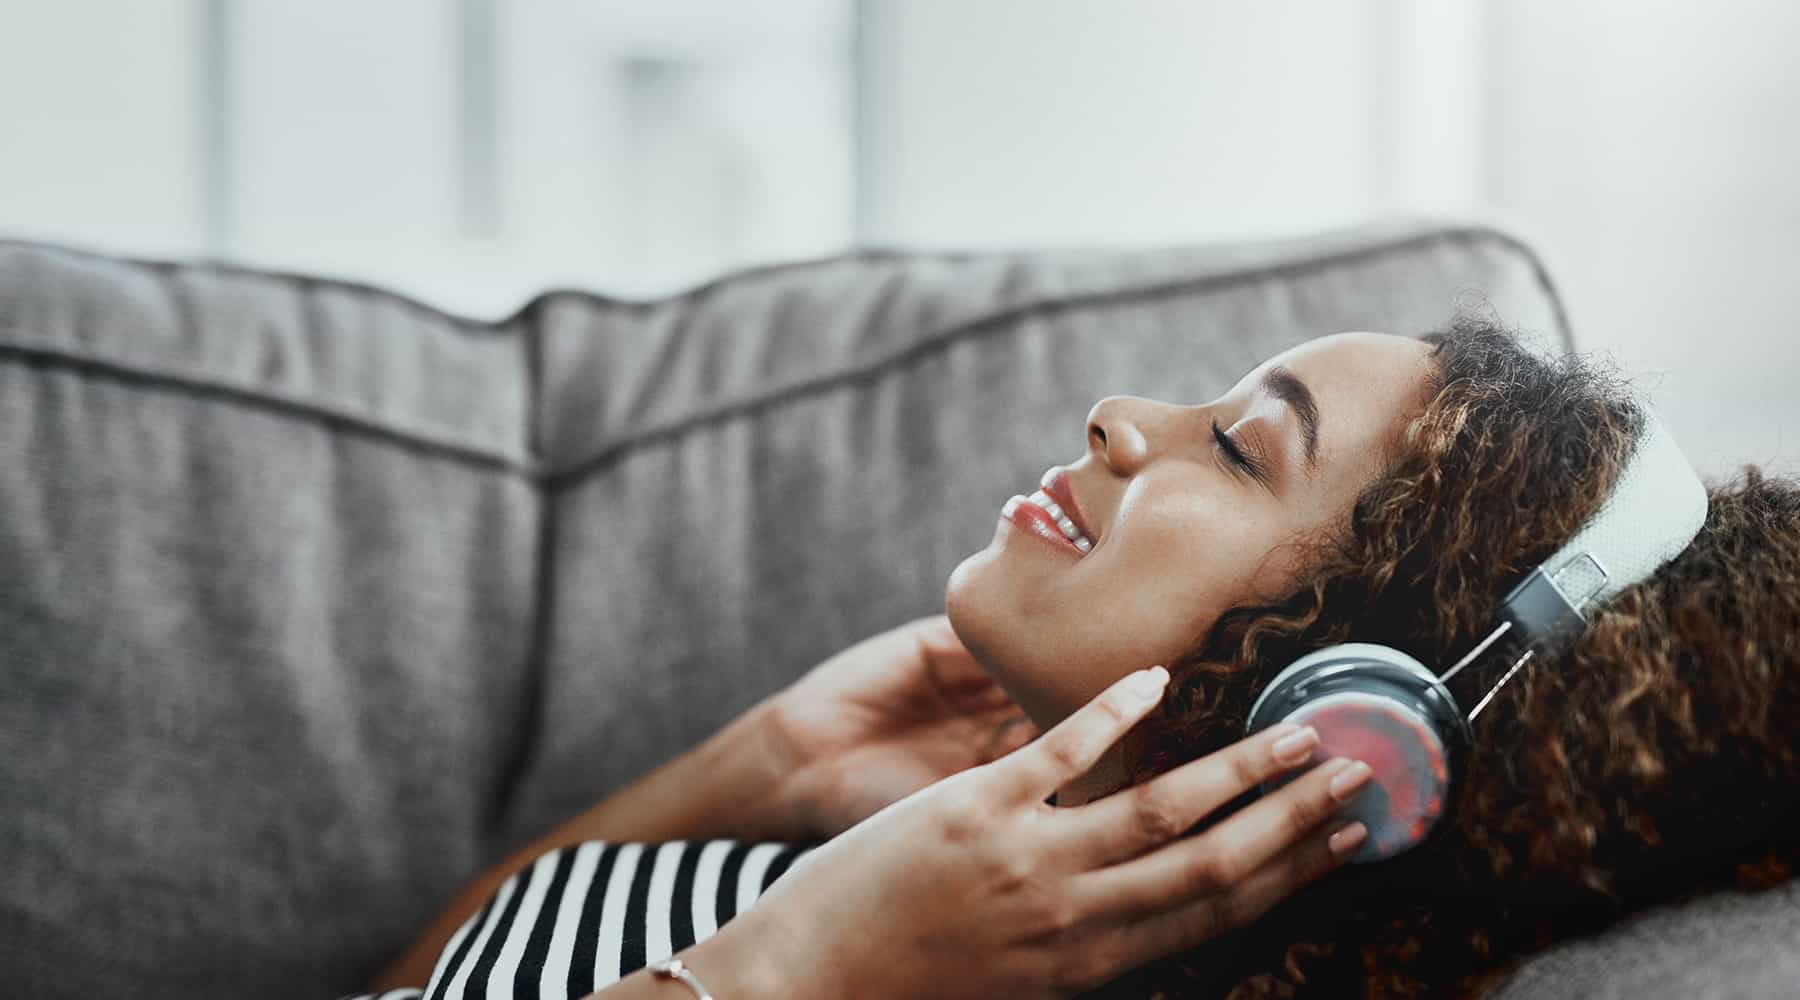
(1286, 386)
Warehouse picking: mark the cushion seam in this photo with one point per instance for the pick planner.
(305, 282)
(536, 468)
(262, 399)
(610, 451)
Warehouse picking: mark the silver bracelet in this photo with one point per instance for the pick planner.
(676, 969)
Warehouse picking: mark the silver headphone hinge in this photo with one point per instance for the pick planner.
(1510, 671)
(1470, 656)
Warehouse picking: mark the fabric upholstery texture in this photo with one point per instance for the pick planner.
(1728, 944)
(261, 660)
(314, 599)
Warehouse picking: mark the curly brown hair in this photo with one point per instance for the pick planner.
(1645, 760)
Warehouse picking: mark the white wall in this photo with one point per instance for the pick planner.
(342, 134)
(1013, 122)
(98, 129)
(626, 147)
(1653, 151)
(1650, 151)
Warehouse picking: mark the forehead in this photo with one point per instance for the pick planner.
(1366, 386)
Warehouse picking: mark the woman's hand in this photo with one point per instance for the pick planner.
(885, 718)
(975, 887)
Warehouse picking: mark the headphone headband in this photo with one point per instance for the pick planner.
(1380, 705)
(1655, 509)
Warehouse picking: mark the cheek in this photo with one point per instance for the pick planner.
(1162, 587)
(1192, 558)
(1055, 634)
(1168, 593)
(1165, 588)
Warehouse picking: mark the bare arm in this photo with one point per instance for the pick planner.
(736, 961)
(732, 785)
(975, 887)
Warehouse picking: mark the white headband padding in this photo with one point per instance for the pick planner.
(1655, 510)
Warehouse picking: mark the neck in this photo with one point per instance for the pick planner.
(1103, 779)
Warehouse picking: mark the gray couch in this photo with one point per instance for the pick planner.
(315, 599)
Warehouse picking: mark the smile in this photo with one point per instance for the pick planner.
(1041, 516)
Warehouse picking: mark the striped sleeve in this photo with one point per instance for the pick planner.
(585, 916)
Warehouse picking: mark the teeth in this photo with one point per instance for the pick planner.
(1067, 526)
(1063, 522)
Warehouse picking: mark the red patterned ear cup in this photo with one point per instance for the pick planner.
(1412, 773)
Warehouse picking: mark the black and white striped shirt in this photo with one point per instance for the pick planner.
(585, 916)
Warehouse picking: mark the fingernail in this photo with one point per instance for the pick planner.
(1347, 839)
(1296, 746)
(1349, 780)
(1148, 684)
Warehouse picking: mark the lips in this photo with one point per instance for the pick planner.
(1037, 521)
(1056, 483)
(1051, 514)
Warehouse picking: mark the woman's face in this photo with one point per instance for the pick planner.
(1180, 532)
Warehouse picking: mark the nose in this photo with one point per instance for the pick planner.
(1115, 430)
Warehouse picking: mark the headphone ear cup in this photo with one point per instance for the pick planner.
(1378, 705)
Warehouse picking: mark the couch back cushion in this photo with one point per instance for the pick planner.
(748, 478)
(267, 552)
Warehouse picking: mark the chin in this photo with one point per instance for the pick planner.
(975, 602)
(969, 614)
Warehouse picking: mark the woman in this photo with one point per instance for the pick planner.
(1650, 757)
(1357, 485)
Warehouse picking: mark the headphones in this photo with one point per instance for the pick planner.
(1376, 704)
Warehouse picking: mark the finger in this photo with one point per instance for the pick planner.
(1144, 817)
(956, 676)
(974, 699)
(1022, 731)
(935, 633)
(1075, 744)
(1006, 736)
(1195, 923)
(1215, 862)
(950, 661)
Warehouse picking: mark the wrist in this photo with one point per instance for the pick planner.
(790, 781)
(766, 761)
(730, 785)
(748, 961)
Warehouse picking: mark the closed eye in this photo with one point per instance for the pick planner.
(1237, 455)
(1230, 446)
